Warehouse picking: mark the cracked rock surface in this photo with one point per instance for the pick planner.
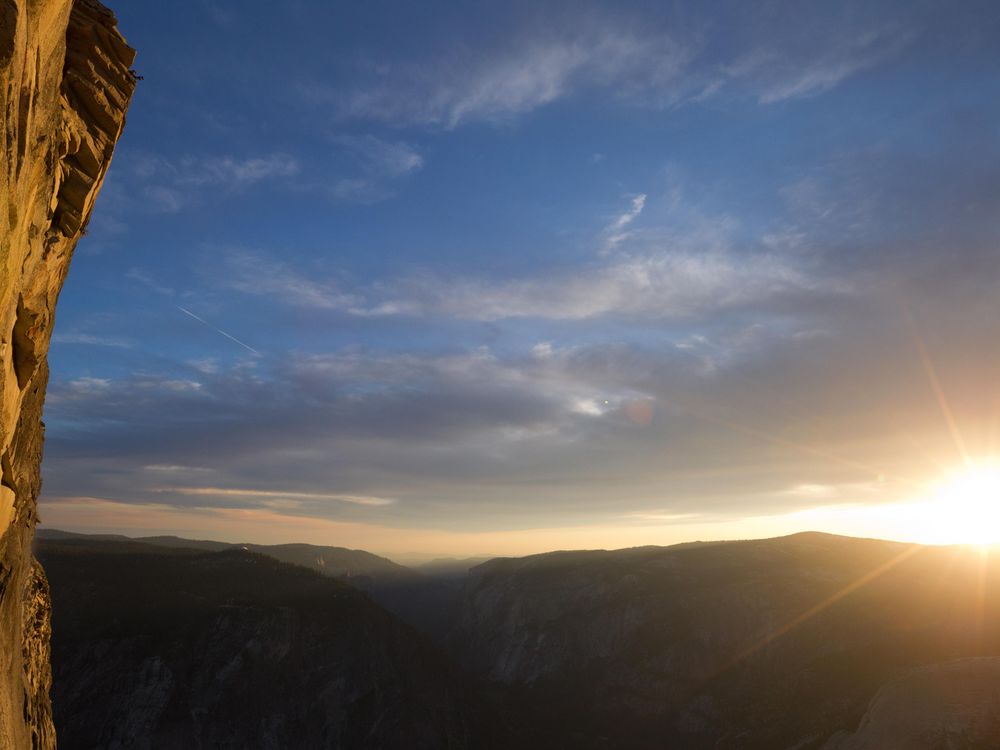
(65, 87)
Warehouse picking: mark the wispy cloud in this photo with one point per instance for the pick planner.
(780, 77)
(279, 495)
(148, 281)
(660, 285)
(527, 73)
(377, 165)
(177, 468)
(670, 59)
(258, 274)
(169, 185)
(616, 231)
(389, 158)
(695, 270)
(223, 171)
(89, 339)
(89, 386)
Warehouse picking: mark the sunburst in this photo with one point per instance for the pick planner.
(965, 507)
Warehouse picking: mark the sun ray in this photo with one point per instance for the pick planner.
(805, 616)
(704, 414)
(984, 562)
(824, 605)
(935, 382)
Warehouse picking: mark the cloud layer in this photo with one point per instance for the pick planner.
(772, 54)
(617, 267)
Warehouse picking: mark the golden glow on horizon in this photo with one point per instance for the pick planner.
(965, 508)
(961, 509)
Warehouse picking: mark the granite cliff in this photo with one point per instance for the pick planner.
(66, 84)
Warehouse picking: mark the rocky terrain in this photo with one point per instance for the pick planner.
(65, 86)
(159, 647)
(949, 706)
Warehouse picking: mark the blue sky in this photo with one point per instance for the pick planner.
(486, 277)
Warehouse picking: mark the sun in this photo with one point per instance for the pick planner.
(965, 507)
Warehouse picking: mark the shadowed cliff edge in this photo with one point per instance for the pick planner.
(65, 82)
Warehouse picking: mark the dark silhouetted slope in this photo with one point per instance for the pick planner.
(173, 647)
(425, 600)
(760, 644)
(363, 568)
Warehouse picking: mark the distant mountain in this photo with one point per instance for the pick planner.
(425, 601)
(362, 568)
(164, 647)
(778, 643)
(58, 534)
(205, 545)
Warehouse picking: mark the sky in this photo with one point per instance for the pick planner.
(495, 278)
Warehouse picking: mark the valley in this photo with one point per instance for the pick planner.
(771, 643)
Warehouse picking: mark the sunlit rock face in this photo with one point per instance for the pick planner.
(65, 83)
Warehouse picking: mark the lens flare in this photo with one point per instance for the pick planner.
(965, 508)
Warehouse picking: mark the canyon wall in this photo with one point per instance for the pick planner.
(65, 81)
(773, 643)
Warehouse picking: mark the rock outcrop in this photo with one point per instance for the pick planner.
(949, 706)
(66, 83)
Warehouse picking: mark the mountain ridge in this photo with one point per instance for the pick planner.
(329, 560)
(232, 649)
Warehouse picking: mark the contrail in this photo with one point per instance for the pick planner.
(217, 330)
